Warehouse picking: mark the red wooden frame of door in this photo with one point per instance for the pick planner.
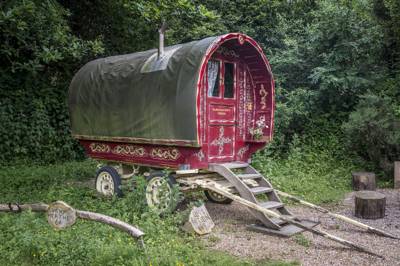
(222, 116)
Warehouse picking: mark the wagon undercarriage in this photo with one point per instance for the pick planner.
(222, 180)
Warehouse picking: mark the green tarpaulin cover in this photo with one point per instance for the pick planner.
(138, 96)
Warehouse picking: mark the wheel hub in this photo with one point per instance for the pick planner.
(158, 194)
(105, 184)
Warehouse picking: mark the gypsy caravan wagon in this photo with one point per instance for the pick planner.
(199, 109)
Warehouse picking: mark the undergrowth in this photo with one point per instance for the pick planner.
(27, 239)
(318, 171)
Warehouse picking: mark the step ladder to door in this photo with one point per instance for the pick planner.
(254, 187)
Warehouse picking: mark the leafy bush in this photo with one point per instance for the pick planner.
(38, 54)
(317, 168)
(373, 131)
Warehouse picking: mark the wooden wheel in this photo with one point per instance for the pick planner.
(217, 198)
(159, 193)
(108, 181)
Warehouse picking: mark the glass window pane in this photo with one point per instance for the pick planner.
(229, 80)
(213, 78)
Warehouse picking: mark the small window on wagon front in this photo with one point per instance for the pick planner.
(213, 78)
(229, 89)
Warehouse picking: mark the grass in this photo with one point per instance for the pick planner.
(319, 173)
(302, 240)
(27, 239)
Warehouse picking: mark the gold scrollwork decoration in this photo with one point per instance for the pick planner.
(263, 94)
(242, 151)
(129, 150)
(166, 154)
(99, 147)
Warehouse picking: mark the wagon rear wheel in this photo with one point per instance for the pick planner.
(217, 198)
(160, 194)
(108, 181)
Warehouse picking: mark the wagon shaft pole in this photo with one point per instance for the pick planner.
(338, 216)
(219, 189)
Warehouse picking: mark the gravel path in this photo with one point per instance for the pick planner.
(230, 235)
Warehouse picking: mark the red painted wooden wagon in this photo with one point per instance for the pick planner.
(200, 109)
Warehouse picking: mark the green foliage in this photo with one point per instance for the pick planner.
(373, 131)
(324, 55)
(38, 55)
(317, 168)
(27, 239)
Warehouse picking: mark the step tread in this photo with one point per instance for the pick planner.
(260, 190)
(278, 221)
(271, 204)
(249, 176)
(235, 165)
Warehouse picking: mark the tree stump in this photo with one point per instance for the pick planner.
(369, 205)
(397, 174)
(363, 181)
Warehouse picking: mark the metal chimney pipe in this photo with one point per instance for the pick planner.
(161, 32)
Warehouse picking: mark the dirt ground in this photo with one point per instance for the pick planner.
(230, 235)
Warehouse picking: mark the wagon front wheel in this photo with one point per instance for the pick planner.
(108, 181)
(159, 193)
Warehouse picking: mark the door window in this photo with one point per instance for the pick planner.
(229, 80)
(213, 78)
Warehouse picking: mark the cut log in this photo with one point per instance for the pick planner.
(363, 181)
(397, 174)
(369, 205)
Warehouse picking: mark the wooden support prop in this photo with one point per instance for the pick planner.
(58, 212)
(338, 216)
(211, 185)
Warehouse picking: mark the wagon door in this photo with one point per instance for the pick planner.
(221, 110)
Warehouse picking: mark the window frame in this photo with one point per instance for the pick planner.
(221, 82)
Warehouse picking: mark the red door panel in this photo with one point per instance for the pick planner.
(221, 113)
(221, 142)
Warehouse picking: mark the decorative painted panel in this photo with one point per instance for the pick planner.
(221, 141)
(222, 113)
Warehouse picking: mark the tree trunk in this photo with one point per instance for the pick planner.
(363, 181)
(370, 205)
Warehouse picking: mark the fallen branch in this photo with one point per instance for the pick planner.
(211, 185)
(338, 216)
(93, 216)
(87, 215)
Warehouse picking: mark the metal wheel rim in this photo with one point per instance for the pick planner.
(105, 184)
(158, 194)
(216, 196)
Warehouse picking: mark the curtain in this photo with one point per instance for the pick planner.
(212, 73)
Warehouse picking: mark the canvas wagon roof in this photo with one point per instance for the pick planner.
(140, 99)
(136, 96)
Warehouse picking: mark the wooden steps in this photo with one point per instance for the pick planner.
(271, 204)
(249, 176)
(260, 190)
(250, 184)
